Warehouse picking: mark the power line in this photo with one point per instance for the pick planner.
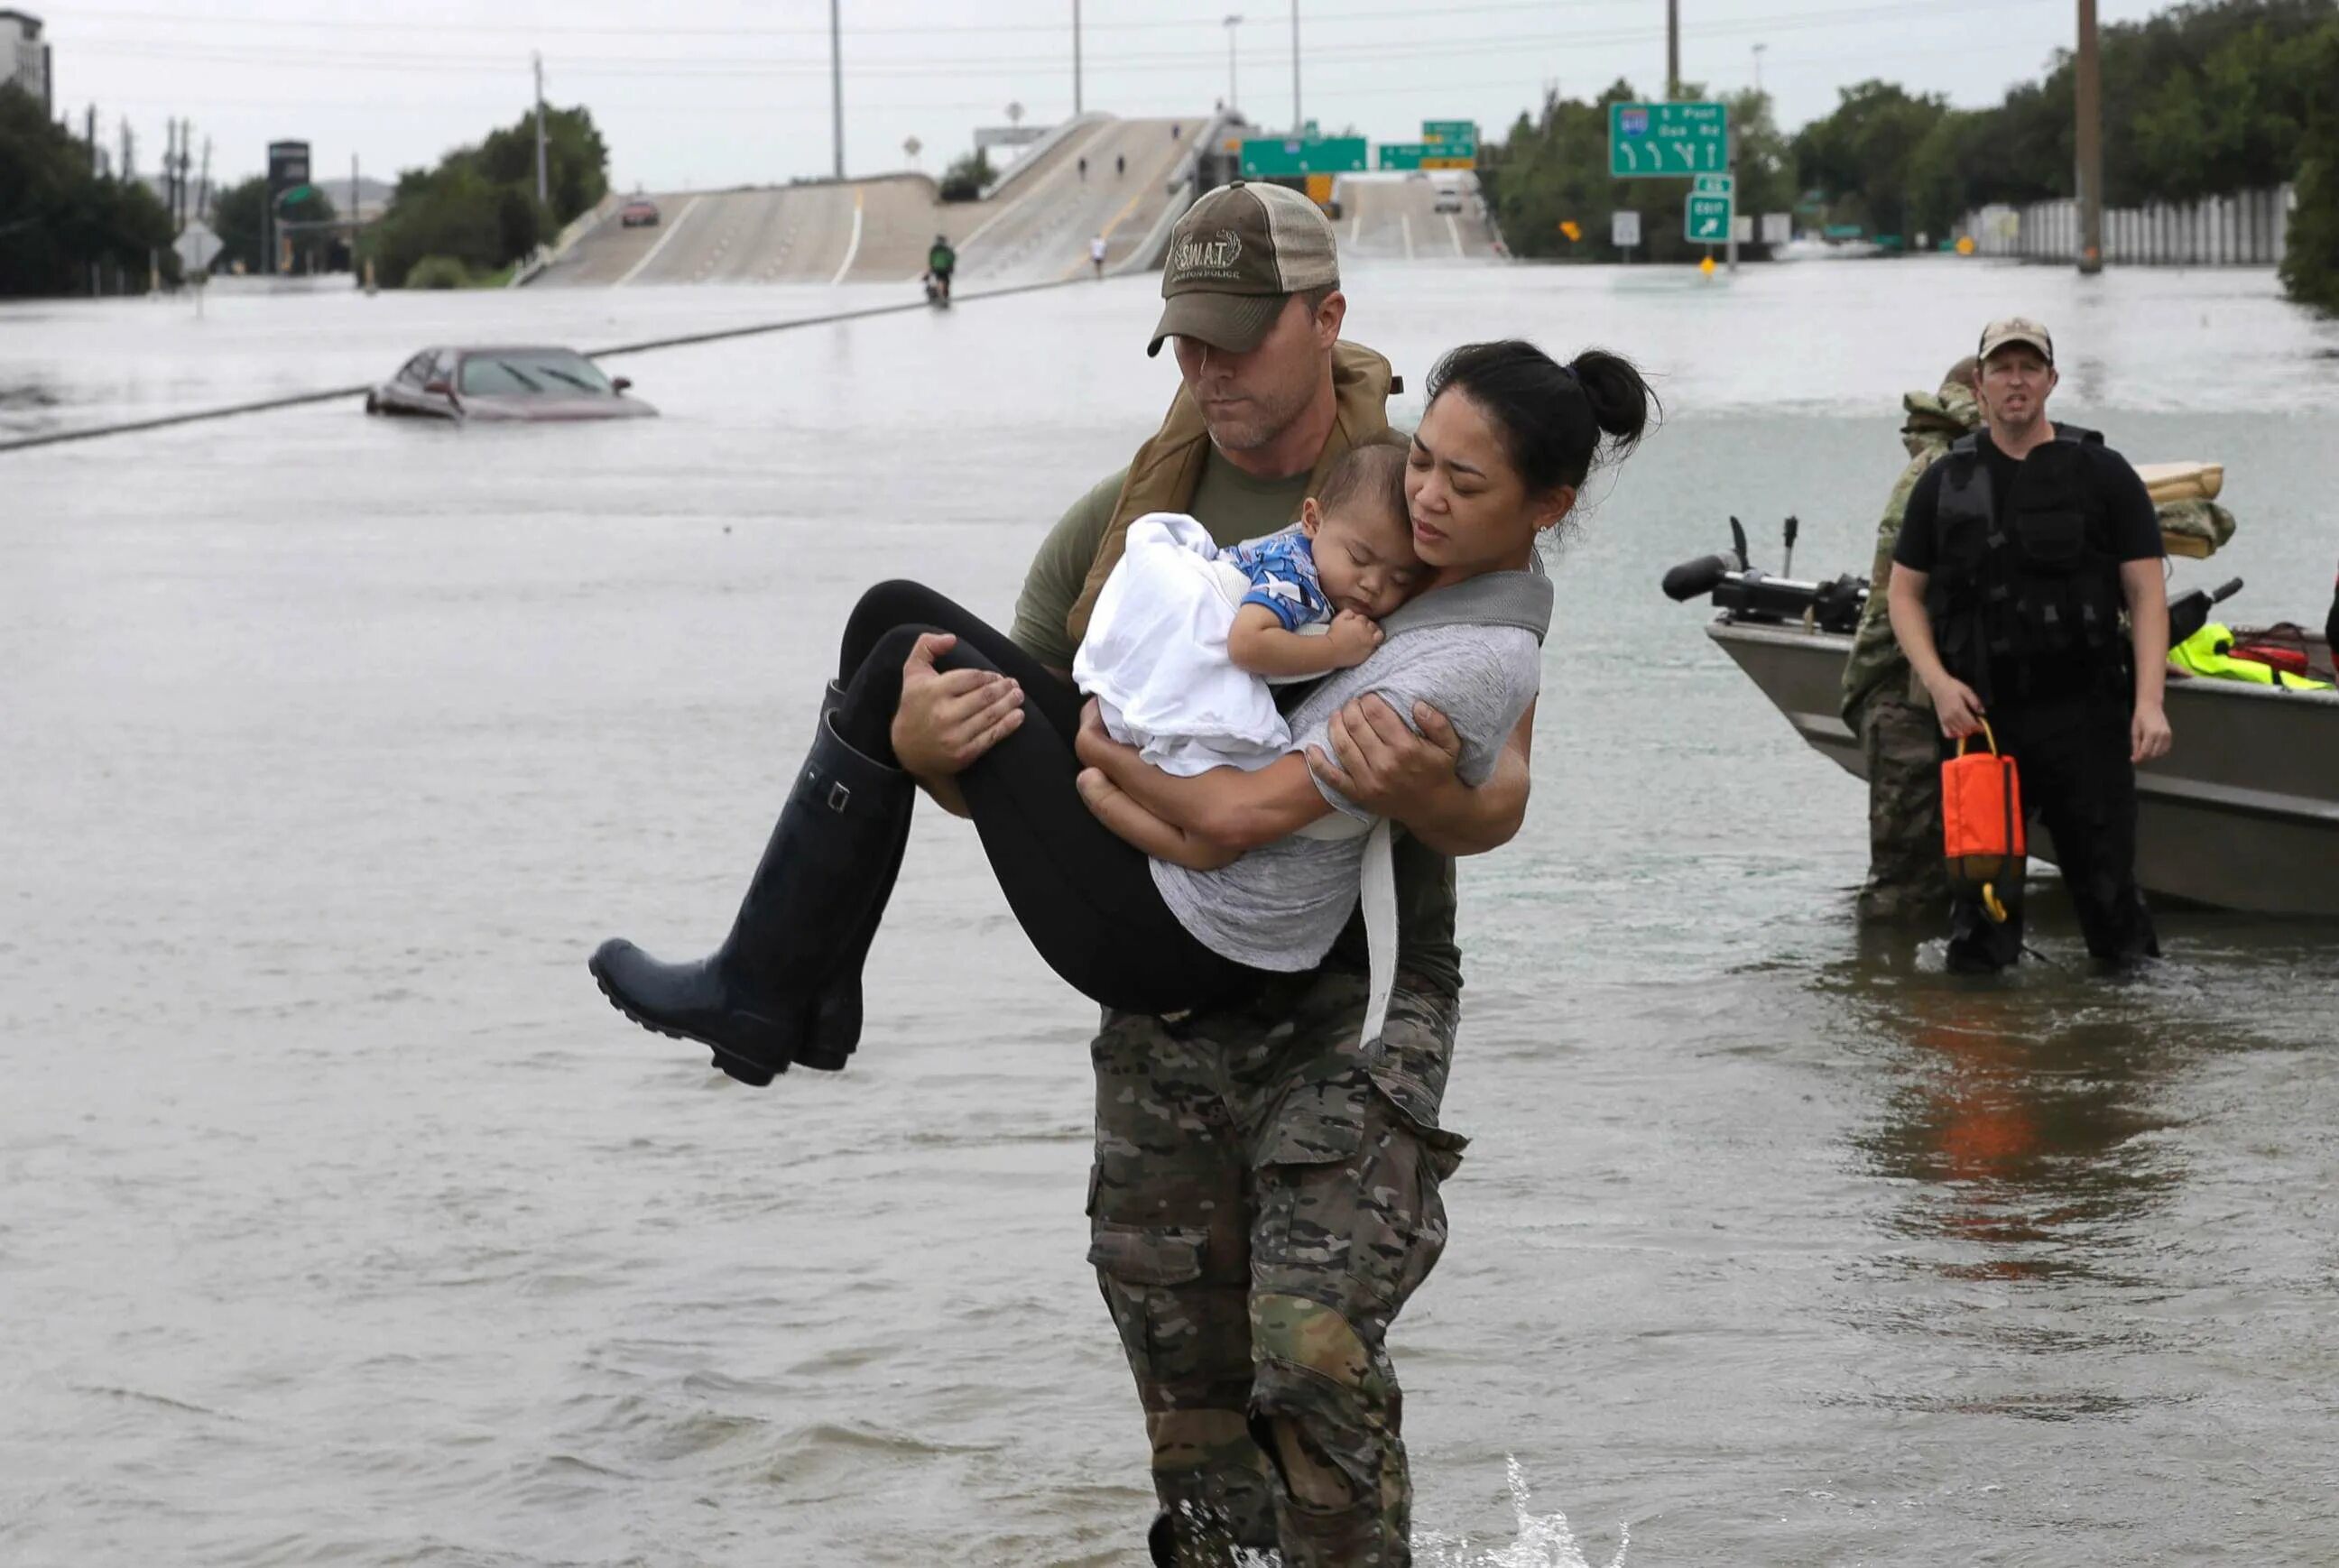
(210, 20)
(683, 65)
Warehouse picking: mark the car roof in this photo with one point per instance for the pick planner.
(468, 349)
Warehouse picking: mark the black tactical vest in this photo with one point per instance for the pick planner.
(2028, 579)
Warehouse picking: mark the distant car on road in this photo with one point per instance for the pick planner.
(641, 213)
(1449, 198)
(502, 384)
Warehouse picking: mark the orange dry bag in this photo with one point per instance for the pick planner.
(1982, 821)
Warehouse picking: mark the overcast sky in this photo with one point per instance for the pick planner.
(701, 92)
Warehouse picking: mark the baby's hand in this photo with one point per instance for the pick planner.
(1352, 637)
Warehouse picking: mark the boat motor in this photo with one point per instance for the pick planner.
(2188, 613)
(1751, 594)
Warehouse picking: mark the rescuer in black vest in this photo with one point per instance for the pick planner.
(2019, 551)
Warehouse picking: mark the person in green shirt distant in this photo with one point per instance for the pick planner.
(941, 263)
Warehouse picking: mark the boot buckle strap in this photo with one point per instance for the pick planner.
(839, 797)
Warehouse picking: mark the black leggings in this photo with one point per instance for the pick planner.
(1084, 895)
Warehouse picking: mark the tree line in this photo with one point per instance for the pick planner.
(2204, 99)
(476, 215)
(61, 222)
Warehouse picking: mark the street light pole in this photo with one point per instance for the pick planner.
(836, 88)
(1298, 122)
(542, 198)
(1232, 22)
(1076, 56)
(1758, 65)
(1672, 50)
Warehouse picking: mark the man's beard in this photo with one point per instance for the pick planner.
(1259, 423)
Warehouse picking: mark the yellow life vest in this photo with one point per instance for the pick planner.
(2208, 652)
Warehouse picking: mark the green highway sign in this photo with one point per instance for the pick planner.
(1264, 157)
(1715, 185)
(1705, 221)
(1449, 131)
(1424, 155)
(1649, 140)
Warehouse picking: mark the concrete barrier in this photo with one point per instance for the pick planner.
(1040, 149)
(1184, 191)
(2247, 229)
(579, 226)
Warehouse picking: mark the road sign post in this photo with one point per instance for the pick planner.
(1625, 231)
(1654, 140)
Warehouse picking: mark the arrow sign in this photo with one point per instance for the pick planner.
(1705, 221)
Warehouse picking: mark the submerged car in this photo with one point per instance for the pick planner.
(641, 213)
(505, 384)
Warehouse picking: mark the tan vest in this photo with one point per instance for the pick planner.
(1168, 468)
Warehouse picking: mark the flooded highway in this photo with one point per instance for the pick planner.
(344, 1222)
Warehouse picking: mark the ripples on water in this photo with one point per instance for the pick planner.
(342, 1223)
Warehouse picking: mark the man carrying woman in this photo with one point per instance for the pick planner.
(1264, 1196)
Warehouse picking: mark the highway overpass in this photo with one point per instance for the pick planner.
(1035, 226)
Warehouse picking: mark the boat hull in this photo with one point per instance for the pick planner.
(2243, 813)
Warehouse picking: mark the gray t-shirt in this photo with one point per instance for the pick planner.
(1280, 906)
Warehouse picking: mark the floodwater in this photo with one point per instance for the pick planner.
(341, 1222)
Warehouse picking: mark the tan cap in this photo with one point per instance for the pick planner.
(2015, 330)
(1234, 258)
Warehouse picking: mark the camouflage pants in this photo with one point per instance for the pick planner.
(1901, 742)
(1264, 1201)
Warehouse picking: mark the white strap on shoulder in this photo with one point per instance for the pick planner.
(1377, 893)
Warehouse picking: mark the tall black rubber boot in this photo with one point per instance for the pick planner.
(826, 870)
(835, 1026)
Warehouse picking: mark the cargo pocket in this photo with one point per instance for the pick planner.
(1349, 1211)
(1309, 1169)
(1139, 1268)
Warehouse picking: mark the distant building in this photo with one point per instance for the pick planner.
(23, 58)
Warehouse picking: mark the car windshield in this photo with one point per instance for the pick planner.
(521, 372)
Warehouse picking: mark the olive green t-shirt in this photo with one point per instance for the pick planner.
(1234, 507)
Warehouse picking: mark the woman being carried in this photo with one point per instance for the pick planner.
(1190, 889)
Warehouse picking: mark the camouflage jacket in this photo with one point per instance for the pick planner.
(1933, 422)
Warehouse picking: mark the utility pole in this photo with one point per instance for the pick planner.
(89, 137)
(129, 151)
(1672, 50)
(1232, 22)
(1758, 65)
(1076, 56)
(2088, 177)
(543, 195)
(1730, 156)
(837, 86)
(1298, 120)
(203, 189)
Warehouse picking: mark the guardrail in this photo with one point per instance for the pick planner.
(1184, 191)
(579, 226)
(1041, 148)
